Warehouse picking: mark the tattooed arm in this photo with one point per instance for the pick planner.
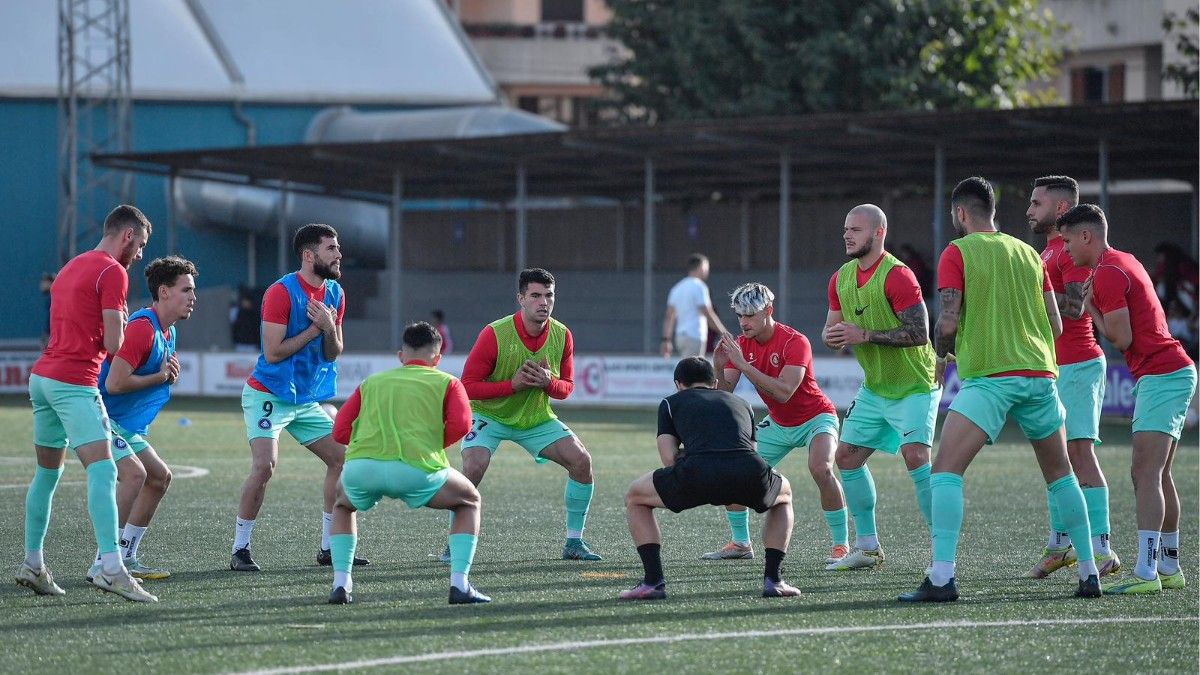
(947, 323)
(912, 331)
(1070, 303)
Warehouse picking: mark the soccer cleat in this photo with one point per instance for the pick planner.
(1172, 581)
(1053, 559)
(40, 582)
(1108, 563)
(1089, 587)
(444, 556)
(93, 571)
(467, 597)
(325, 557)
(578, 549)
(340, 596)
(644, 591)
(927, 592)
(123, 585)
(242, 562)
(139, 571)
(1133, 585)
(837, 553)
(858, 560)
(779, 589)
(730, 551)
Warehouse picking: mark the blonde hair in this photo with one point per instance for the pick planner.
(751, 298)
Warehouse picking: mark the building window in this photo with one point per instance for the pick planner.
(556, 11)
(1093, 84)
(528, 104)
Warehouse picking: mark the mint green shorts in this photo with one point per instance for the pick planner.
(366, 481)
(775, 441)
(267, 416)
(487, 433)
(1160, 402)
(879, 423)
(126, 443)
(1032, 401)
(66, 414)
(1081, 389)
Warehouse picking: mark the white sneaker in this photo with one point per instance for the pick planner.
(93, 571)
(39, 581)
(123, 585)
(859, 560)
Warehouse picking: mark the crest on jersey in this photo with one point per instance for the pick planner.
(774, 360)
(264, 423)
(120, 443)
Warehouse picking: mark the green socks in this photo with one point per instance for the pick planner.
(920, 479)
(1074, 514)
(102, 504)
(341, 549)
(1096, 499)
(837, 526)
(462, 553)
(37, 506)
(739, 526)
(859, 487)
(946, 501)
(577, 497)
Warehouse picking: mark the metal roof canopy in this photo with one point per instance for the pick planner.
(836, 152)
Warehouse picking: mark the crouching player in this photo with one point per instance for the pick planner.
(396, 427)
(135, 385)
(717, 465)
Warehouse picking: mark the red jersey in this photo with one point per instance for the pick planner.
(951, 274)
(277, 307)
(139, 341)
(482, 361)
(1119, 280)
(1078, 341)
(900, 287)
(787, 347)
(86, 286)
(456, 412)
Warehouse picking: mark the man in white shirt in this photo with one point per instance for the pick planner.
(689, 312)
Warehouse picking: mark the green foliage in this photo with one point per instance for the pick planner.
(1185, 72)
(732, 58)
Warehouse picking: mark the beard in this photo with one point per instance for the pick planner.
(864, 249)
(958, 226)
(1042, 227)
(128, 255)
(326, 271)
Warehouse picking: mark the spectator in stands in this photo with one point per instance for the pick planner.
(245, 320)
(439, 323)
(916, 262)
(44, 286)
(1176, 278)
(690, 312)
(1182, 326)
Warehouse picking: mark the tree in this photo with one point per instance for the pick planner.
(733, 58)
(1185, 71)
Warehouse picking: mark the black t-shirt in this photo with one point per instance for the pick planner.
(707, 421)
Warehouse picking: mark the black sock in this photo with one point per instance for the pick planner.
(652, 563)
(774, 563)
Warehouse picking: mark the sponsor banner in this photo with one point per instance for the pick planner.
(14, 371)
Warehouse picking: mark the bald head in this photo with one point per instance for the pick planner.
(873, 214)
(864, 232)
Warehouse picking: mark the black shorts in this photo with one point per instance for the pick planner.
(719, 479)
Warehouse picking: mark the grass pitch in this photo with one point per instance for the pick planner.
(551, 615)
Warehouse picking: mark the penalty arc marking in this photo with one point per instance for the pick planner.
(691, 637)
(177, 471)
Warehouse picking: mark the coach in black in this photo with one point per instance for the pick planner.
(717, 465)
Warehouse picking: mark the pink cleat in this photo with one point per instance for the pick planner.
(644, 591)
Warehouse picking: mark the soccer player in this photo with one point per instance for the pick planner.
(777, 359)
(1120, 299)
(875, 305)
(1082, 370)
(690, 312)
(297, 369)
(135, 385)
(716, 465)
(87, 322)
(517, 365)
(999, 317)
(396, 425)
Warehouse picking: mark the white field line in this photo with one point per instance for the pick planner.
(177, 471)
(691, 637)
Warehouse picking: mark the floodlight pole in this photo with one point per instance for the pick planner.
(1102, 152)
(395, 261)
(939, 210)
(522, 223)
(281, 246)
(744, 235)
(172, 243)
(648, 260)
(785, 226)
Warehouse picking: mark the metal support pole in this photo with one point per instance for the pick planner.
(785, 234)
(281, 246)
(251, 260)
(939, 214)
(648, 337)
(1102, 151)
(172, 240)
(395, 262)
(1195, 216)
(522, 223)
(620, 243)
(744, 235)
